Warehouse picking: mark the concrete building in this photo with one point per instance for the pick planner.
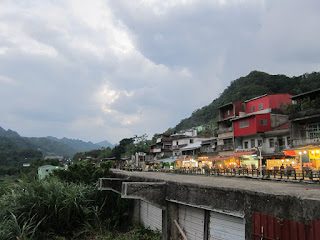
(162, 148)
(225, 142)
(181, 141)
(305, 128)
(255, 127)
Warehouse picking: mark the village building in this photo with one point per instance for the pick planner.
(305, 129)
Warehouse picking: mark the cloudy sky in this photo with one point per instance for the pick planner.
(106, 70)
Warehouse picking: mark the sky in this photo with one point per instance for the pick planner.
(111, 69)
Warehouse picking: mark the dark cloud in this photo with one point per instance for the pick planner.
(113, 69)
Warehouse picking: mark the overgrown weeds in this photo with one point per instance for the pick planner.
(41, 209)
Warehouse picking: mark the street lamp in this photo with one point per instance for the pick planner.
(260, 148)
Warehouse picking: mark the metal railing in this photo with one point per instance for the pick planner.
(284, 174)
(291, 174)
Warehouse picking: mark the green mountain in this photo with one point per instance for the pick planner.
(244, 88)
(76, 144)
(15, 149)
(105, 144)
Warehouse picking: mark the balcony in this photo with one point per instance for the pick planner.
(155, 150)
(305, 141)
(304, 114)
(224, 130)
(225, 147)
(179, 146)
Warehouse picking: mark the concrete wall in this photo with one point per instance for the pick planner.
(234, 196)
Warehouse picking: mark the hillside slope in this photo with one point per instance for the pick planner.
(254, 84)
(78, 145)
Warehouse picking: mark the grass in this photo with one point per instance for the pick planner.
(52, 207)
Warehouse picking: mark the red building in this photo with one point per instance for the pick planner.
(266, 102)
(262, 114)
(252, 124)
(230, 110)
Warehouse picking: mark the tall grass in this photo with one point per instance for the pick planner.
(43, 209)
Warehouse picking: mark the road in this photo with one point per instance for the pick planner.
(300, 190)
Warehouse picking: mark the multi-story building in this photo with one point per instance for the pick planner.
(305, 128)
(209, 147)
(181, 141)
(263, 129)
(225, 142)
(255, 126)
(162, 148)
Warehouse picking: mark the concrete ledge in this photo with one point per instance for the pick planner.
(152, 192)
(112, 184)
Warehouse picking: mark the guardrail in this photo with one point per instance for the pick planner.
(266, 174)
(297, 175)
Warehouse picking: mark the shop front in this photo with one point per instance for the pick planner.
(205, 162)
(314, 156)
(278, 163)
(186, 163)
(308, 156)
(248, 159)
(224, 162)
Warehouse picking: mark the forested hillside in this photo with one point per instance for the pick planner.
(253, 85)
(77, 144)
(15, 149)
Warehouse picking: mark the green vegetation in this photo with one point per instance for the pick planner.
(82, 172)
(41, 209)
(303, 104)
(65, 206)
(126, 148)
(15, 150)
(250, 86)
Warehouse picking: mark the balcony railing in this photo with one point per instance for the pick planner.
(225, 147)
(224, 130)
(179, 146)
(305, 141)
(278, 149)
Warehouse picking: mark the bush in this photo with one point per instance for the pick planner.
(51, 207)
(84, 172)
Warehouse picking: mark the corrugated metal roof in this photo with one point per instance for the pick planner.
(192, 146)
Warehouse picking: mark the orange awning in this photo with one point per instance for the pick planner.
(289, 153)
(240, 154)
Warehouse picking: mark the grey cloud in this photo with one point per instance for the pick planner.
(182, 58)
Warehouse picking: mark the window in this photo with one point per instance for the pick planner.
(253, 143)
(259, 143)
(252, 109)
(191, 140)
(260, 106)
(263, 122)
(288, 141)
(246, 145)
(228, 112)
(227, 141)
(244, 124)
(314, 130)
(271, 142)
(177, 143)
